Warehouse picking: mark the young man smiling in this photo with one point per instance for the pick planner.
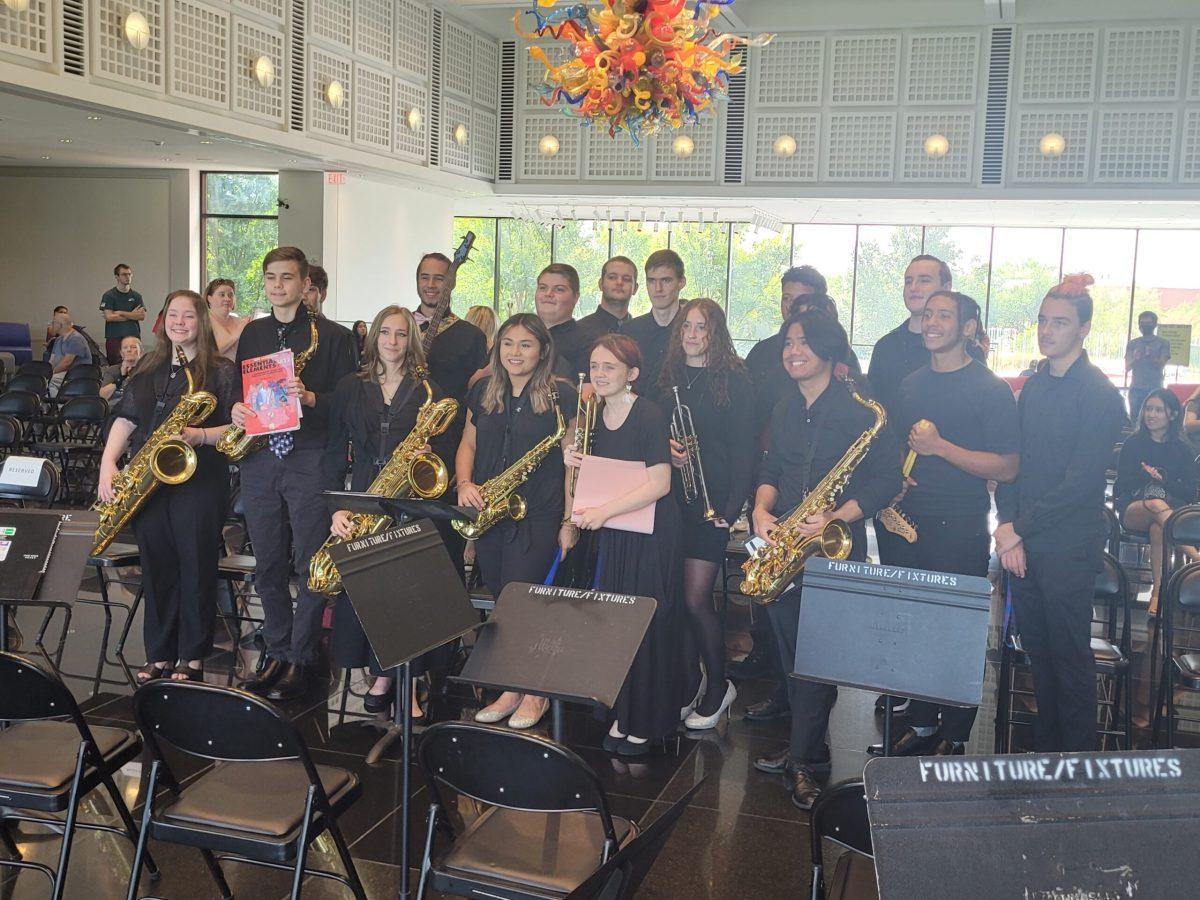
(555, 299)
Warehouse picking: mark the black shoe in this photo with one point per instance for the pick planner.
(908, 744)
(767, 710)
(292, 685)
(947, 748)
(612, 744)
(629, 748)
(265, 680)
(805, 789)
(377, 703)
(753, 665)
(899, 705)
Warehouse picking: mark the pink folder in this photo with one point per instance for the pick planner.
(601, 479)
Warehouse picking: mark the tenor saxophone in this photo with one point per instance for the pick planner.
(500, 497)
(163, 459)
(235, 443)
(410, 470)
(769, 571)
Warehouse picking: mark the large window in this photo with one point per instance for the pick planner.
(524, 252)
(759, 258)
(1166, 284)
(239, 224)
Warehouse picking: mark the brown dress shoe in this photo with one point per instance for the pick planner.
(805, 789)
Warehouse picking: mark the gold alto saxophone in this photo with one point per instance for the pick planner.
(585, 424)
(163, 459)
(235, 443)
(410, 470)
(775, 566)
(500, 497)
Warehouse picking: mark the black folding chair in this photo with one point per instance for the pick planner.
(35, 384)
(78, 429)
(1181, 650)
(43, 493)
(36, 367)
(840, 815)
(263, 803)
(78, 387)
(546, 831)
(82, 370)
(50, 759)
(24, 406)
(11, 436)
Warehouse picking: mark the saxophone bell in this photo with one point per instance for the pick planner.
(173, 461)
(428, 476)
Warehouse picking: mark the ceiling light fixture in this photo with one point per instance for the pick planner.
(1052, 144)
(785, 145)
(94, 118)
(207, 142)
(548, 145)
(460, 134)
(414, 119)
(335, 94)
(683, 146)
(137, 31)
(264, 71)
(17, 6)
(937, 146)
(65, 141)
(45, 157)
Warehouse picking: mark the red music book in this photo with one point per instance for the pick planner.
(602, 479)
(264, 390)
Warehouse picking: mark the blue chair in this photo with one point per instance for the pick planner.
(15, 339)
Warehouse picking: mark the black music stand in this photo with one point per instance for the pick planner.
(60, 584)
(561, 643)
(431, 609)
(869, 626)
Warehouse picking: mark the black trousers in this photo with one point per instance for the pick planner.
(288, 521)
(518, 551)
(1053, 609)
(959, 545)
(178, 532)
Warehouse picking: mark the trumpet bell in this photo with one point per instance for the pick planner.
(173, 462)
(428, 476)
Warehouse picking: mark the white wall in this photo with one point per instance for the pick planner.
(379, 234)
(61, 233)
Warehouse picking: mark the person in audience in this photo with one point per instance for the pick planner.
(1052, 532)
(315, 296)
(631, 427)
(712, 383)
(1031, 369)
(508, 414)
(227, 325)
(281, 483)
(360, 339)
(98, 355)
(555, 299)
(113, 378)
(1156, 474)
(51, 332)
(1145, 358)
(70, 348)
(665, 278)
(618, 283)
(122, 308)
(178, 528)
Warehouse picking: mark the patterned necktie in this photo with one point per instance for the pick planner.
(281, 444)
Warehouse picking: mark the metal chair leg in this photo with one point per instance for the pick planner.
(302, 846)
(214, 869)
(426, 865)
(126, 817)
(139, 853)
(343, 851)
(64, 853)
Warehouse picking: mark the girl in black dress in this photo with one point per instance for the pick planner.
(508, 413)
(713, 384)
(648, 565)
(178, 528)
(373, 410)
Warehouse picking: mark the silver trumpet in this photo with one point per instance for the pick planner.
(683, 431)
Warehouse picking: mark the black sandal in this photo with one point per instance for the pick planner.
(152, 672)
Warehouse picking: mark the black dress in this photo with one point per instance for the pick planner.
(647, 565)
(519, 551)
(728, 451)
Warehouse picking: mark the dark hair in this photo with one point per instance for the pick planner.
(1148, 314)
(1075, 289)
(622, 346)
(206, 360)
(319, 278)
(820, 301)
(1174, 412)
(807, 276)
(59, 309)
(619, 259)
(722, 358)
(287, 254)
(541, 382)
(216, 283)
(440, 257)
(119, 266)
(824, 334)
(660, 258)
(564, 271)
(943, 270)
(967, 308)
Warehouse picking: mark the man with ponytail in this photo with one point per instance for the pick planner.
(1052, 531)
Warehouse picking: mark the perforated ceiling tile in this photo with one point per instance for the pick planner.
(373, 117)
(789, 71)
(412, 37)
(199, 53)
(860, 147)
(331, 19)
(942, 68)
(487, 71)
(114, 57)
(1136, 146)
(373, 29)
(537, 166)
(412, 132)
(456, 157)
(700, 166)
(1189, 167)
(1029, 164)
(957, 128)
(458, 47)
(26, 33)
(1058, 66)
(1194, 77)
(274, 9)
(483, 144)
(865, 69)
(613, 158)
(535, 72)
(323, 117)
(1142, 63)
(250, 41)
(804, 129)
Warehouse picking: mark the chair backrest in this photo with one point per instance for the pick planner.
(83, 370)
(510, 769)
(841, 816)
(1112, 594)
(1112, 528)
(88, 410)
(43, 492)
(11, 432)
(19, 403)
(28, 691)
(80, 387)
(27, 381)
(36, 367)
(1183, 527)
(1184, 588)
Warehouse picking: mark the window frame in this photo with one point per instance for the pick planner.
(205, 215)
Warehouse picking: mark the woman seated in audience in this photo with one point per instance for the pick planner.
(226, 324)
(1156, 474)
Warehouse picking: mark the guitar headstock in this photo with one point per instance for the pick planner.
(463, 251)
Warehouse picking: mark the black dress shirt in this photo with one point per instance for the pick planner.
(771, 381)
(602, 322)
(652, 340)
(897, 355)
(334, 358)
(572, 352)
(1069, 426)
(458, 353)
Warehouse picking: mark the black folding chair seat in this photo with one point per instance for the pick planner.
(37, 760)
(504, 846)
(1187, 670)
(117, 556)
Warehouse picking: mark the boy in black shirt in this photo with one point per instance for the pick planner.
(664, 280)
(1052, 529)
(961, 420)
(618, 283)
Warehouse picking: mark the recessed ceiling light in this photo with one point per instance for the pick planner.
(65, 140)
(94, 118)
(206, 142)
(45, 157)
(168, 159)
